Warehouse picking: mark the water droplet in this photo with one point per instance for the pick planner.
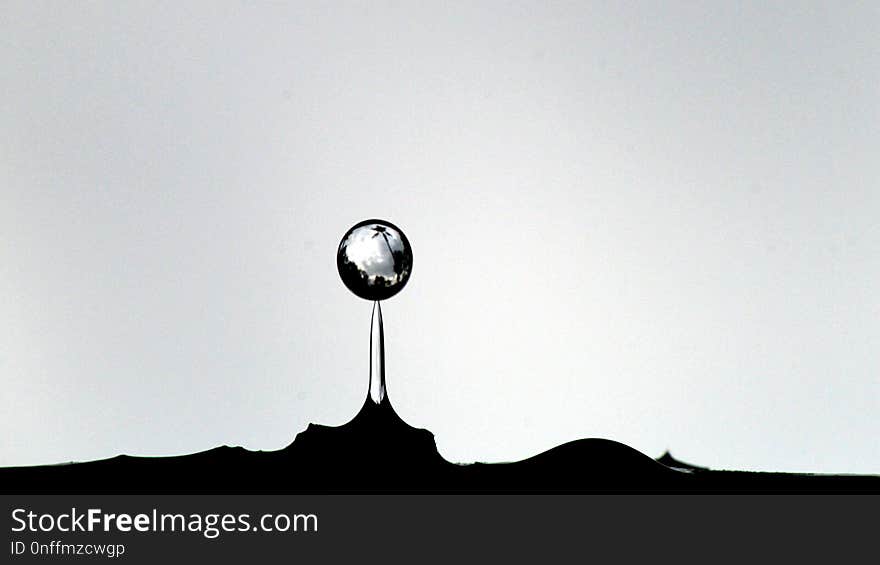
(374, 260)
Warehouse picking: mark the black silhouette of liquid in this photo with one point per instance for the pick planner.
(377, 451)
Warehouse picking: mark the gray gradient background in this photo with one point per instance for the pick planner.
(652, 222)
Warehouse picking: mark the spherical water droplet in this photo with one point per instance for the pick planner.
(374, 259)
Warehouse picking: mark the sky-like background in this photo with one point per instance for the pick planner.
(655, 222)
